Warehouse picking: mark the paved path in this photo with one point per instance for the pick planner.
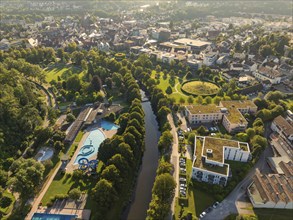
(44, 189)
(174, 160)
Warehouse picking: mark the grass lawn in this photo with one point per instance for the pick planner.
(198, 200)
(200, 88)
(62, 184)
(280, 214)
(61, 70)
(6, 210)
(176, 89)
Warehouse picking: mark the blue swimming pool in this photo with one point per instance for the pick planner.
(108, 125)
(45, 216)
(90, 145)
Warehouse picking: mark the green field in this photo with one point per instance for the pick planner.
(280, 214)
(62, 72)
(176, 89)
(200, 88)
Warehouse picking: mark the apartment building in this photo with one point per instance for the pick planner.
(210, 155)
(266, 73)
(230, 113)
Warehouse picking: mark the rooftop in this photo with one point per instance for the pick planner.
(235, 117)
(192, 42)
(239, 104)
(282, 123)
(217, 146)
(272, 187)
(203, 109)
(202, 165)
(269, 72)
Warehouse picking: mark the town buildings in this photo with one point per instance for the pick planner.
(210, 155)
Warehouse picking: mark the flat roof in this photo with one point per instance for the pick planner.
(217, 146)
(199, 163)
(239, 104)
(203, 109)
(235, 117)
(192, 42)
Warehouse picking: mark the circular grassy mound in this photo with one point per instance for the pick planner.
(200, 88)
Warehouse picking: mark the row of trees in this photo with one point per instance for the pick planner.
(122, 153)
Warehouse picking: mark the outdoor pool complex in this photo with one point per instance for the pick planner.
(108, 125)
(45, 216)
(90, 145)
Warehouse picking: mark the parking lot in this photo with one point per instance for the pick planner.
(182, 177)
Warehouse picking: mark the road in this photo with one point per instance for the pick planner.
(229, 204)
(39, 198)
(174, 160)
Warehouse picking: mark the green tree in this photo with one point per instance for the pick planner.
(164, 187)
(74, 194)
(165, 141)
(169, 90)
(73, 83)
(164, 167)
(104, 194)
(265, 50)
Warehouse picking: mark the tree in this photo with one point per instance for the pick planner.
(181, 100)
(190, 99)
(202, 130)
(96, 83)
(165, 141)
(265, 50)
(259, 140)
(104, 194)
(73, 83)
(164, 167)
(74, 194)
(112, 174)
(164, 187)
(70, 118)
(26, 175)
(275, 96)
(208, 100)
(191, 138)
(158, 209)
(169, 90)
(120, 163)
(199, 99)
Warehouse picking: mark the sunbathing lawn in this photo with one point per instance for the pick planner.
(198, 201)
(52, 72)
(200, 88)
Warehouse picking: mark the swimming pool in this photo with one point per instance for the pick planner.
(90, 145)
(45, 216)
(108, 125)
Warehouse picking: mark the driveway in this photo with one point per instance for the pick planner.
(174, 160)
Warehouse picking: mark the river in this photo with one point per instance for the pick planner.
(146, 178)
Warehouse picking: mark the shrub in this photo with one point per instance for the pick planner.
(5, 202)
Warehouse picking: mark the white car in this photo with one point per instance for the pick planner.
(202, 214)
(216, 204)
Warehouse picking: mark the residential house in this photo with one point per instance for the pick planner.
(266, 73)
(210, 58)
(283, 127)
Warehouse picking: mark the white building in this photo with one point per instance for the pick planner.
(209, 58)
(210, 155)
(229, 112)
(283, 127)
(265, 73)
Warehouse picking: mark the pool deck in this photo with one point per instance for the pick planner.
(107, 133)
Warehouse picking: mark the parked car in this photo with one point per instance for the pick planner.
(216, 204)
(202, 214)
(213, 134)
(181, 179)
(209, 209)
